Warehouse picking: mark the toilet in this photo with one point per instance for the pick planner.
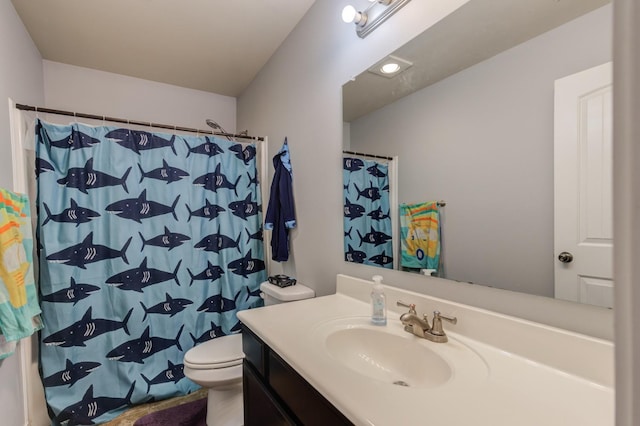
(217, 364)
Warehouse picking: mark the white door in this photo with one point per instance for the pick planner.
(583, 245)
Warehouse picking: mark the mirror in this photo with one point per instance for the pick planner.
(471, 123)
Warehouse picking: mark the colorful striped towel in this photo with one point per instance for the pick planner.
(19, 309)
(420, 235)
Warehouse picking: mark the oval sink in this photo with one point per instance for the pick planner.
(387, 357)
(390, 355)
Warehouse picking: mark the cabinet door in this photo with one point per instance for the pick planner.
(302, 399)
(259, 407)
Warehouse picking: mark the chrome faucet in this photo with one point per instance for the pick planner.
(420, 326)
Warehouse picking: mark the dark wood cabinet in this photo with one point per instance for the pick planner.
(275, 394)
(260, 409)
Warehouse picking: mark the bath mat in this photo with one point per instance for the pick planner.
(189, 414)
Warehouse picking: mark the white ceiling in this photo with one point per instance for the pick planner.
(212, 45)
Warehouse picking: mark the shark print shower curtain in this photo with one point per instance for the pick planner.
(149, 244)
(367, 221)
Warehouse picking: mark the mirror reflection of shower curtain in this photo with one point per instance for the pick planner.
(367, 213)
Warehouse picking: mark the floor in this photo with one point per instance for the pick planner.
(129, 417)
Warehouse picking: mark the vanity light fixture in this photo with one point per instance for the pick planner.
(350, 14)
(368, 20)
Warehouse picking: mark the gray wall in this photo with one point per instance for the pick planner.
(482, 140)
(73, 88)
(298, 94)
(20, 80)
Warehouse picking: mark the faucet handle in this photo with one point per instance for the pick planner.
(411, 306)
(436, 328)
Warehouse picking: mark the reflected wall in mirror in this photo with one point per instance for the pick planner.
(471, 122)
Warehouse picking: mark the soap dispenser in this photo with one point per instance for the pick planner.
(378, 302)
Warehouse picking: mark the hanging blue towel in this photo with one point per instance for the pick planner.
(281, 211)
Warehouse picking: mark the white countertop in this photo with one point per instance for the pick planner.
(519, 386)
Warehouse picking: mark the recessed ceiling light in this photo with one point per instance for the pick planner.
(390, 68)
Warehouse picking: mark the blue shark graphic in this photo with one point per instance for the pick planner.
(218, 241)
(374, 237)
(208, 211)
(245, 208)
(216, 180)
(74, 214)
(353, 211)
(212, 273)
(87, 328)
(85, 178)
(246, 155)
(43, 166)
(71, 373)
(75, 140)
(72, 294)
(255, 293)
(137, 140)
(375, 171)
(255, 236)
(85, 411)
(141, 208)
(137, 279)
(371, 192)
(377, 214)
(174, 373)
(348, 233)
(236, 327)
(87, 252)
(166, 173)
(137, 350)
(246, 265)
(381, 259)
(352, 164)
(354, 256)
(212, 333)
(167, 239)
(208, 148)
(218, 304)
(252, 180)
(169, 307)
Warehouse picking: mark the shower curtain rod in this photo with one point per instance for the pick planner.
(362, 154)
(133, 122)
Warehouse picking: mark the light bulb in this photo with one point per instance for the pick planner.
(390, 68)
(349, 14)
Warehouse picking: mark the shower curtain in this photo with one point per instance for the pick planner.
(367, 219)
(149, 244)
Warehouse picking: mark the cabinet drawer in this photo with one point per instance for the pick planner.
(306, 403)
(254, 350)
(260, 409)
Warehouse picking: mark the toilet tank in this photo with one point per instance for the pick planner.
(272, 294)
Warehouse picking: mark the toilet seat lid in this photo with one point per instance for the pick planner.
(225, 351)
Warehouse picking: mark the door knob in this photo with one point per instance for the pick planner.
(565, 257)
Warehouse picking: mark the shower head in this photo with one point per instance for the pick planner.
(216, 127)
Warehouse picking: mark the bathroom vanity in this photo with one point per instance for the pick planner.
(275, 394)
(320, 361)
